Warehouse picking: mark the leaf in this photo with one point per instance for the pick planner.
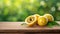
(53, 23)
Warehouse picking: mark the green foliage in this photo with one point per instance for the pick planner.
(51, 24)
(18, 10)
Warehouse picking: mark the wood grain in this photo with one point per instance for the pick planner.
(17, 27)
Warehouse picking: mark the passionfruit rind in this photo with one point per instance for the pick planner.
(42, 21)
(49, 17)
(37, 16)
(44, 17)
(28, 22)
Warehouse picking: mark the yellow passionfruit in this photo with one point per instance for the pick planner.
(42, 21)
(30, 20)
(49, 17)
(37, 15)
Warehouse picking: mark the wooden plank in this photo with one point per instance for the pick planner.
(17, 27)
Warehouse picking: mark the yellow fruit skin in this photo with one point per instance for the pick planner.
(30, 23)
(37, 16)
(49, 17)
(42, 21)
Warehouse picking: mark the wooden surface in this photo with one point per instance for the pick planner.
(17, 27)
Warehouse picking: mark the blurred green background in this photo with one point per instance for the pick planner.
(18, 10)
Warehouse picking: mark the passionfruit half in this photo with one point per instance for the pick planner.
(49, 17)
(42, 21)
(30, 20)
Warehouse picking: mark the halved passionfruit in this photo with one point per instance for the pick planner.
(49, 17)
(37, 15)
(42, 21)
(30, 20)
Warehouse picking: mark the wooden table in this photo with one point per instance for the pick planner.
(16, 28)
